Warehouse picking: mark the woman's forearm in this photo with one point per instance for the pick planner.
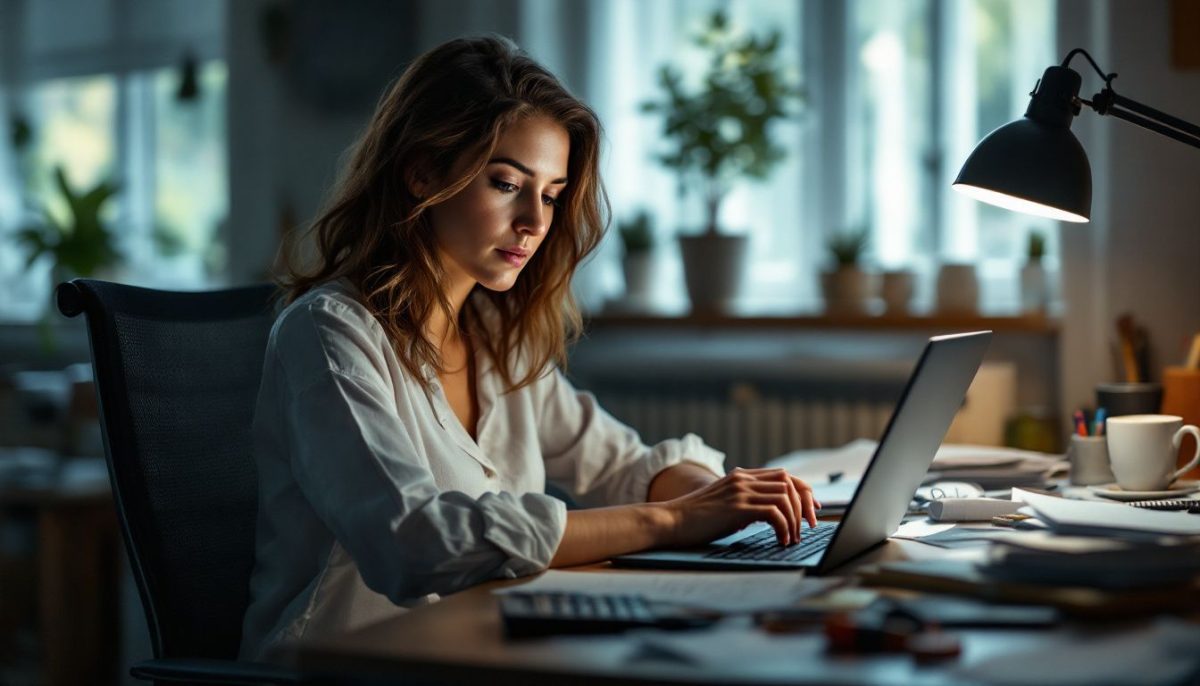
(678, 480)
(600, 533)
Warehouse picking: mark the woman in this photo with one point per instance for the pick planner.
(411, 410)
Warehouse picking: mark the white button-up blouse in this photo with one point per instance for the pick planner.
(372, 495)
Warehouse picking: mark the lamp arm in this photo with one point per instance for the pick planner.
(1121, 107)
(1107, 101)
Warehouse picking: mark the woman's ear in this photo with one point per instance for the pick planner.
(418, 183)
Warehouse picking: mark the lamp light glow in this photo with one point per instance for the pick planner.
(1011, 202)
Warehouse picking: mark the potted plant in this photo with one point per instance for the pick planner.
(847, 287)
(717, 135)
(82, 245)
(637, 238)
(1035, 294)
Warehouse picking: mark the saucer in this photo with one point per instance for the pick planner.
(1115, 492)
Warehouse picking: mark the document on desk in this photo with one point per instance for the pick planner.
(1087, 517)
(720, 591)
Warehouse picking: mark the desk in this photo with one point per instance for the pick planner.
(78, 552)
(459, 640)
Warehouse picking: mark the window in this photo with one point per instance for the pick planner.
(643, 37)
(98, 87)
(188, 175)
(77, 117)
(900, 92)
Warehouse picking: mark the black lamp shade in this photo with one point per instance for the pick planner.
(1030, 167)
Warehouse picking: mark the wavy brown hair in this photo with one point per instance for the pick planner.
(447, 111)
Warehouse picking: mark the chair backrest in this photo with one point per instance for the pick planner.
(177, 376)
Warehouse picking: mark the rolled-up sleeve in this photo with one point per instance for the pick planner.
(358, 466)
(599, 460)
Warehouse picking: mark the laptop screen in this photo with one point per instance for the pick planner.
(935, 391)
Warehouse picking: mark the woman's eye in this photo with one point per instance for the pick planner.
(504, 186)
(549, 201)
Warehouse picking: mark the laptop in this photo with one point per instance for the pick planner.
(934, 393)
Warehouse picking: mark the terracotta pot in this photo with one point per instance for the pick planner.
(848, 290)
(957, 289)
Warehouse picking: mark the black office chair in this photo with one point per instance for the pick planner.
(177, 375)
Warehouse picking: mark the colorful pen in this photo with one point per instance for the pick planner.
(1080, 423)
(1101, 415)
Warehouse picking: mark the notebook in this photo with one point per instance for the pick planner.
(934, 392)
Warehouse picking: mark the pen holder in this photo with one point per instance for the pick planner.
(1181, 397)
(1129, 398)
(1088, 456)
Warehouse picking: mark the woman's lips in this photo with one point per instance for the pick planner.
(516, 259)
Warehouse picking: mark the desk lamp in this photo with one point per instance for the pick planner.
(1036, 165)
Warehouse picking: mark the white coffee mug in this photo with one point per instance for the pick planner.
(1142, 449)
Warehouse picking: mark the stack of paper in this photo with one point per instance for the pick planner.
(1085, 517)
(1044, 558)
(995, 468)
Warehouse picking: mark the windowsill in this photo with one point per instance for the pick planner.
(1023, 323)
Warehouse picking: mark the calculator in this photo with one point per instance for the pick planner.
(546, 613)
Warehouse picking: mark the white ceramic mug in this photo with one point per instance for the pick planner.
(1142, 449)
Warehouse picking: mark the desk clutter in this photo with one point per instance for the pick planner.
(1026, 552)
(957, 471)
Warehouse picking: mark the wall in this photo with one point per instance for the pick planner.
(1140, 252)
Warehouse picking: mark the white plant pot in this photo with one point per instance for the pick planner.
(638, 269)
(957, 289)
(713, 268)
(1035, 288)
(848, 290)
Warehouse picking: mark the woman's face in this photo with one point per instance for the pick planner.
(489, 230)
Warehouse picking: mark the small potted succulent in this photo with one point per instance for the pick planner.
(637, 239)
(1035, 291)
(717, 135)
(848, 288)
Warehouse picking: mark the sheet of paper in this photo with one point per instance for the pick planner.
(1082, 516)
(815, 466)
(836, 494)
(850, 460)
(959, 456)
(721, 591)
(920, 528)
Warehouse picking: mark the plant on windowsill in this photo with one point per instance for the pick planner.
(80, 245)
(1035, 292)
(637, 263)
(848, 288)
(719, 135)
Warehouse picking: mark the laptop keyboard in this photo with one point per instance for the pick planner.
(764, 546)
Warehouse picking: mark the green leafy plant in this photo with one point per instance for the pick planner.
(637, 234)
(82, 244)
(847, 248)
(1036, 249)
(721, 132)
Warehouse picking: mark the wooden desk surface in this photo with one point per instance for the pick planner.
(460, 640)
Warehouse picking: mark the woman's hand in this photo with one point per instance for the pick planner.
(742, 497)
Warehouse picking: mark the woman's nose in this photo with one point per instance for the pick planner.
(534, 217)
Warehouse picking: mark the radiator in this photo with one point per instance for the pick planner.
(751, 428)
